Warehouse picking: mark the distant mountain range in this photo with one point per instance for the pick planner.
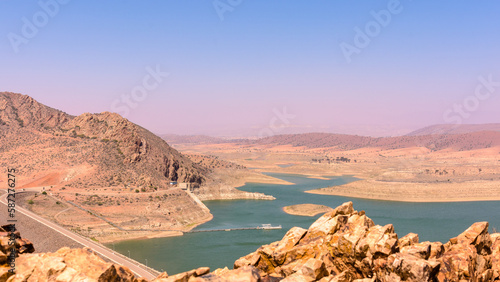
(458, 142)
(455, 129)
(88, 150)
(174, 139)
(470, 137)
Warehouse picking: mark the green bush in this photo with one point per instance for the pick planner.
(31, 202)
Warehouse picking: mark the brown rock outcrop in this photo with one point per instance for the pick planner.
(11, 246)
(345, 245)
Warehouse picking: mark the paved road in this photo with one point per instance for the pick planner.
(103, 251)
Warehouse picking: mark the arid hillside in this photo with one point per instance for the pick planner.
(50, 147)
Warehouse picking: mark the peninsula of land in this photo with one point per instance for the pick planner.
(306, 209)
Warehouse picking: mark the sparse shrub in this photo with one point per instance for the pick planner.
(137, 190)
(31, 202)
(20, 121)
(44, 193)
(58, 203)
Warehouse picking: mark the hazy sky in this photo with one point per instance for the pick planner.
(235, 66)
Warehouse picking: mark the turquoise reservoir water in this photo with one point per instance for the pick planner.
(432, 221)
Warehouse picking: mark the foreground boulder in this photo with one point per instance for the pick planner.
(11, 246)
(68, 265)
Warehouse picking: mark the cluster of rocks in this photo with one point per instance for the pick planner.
(11, 245)
(345, 245)
(68, 265)
(342, 245)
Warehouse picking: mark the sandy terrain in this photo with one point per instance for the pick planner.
(306, 209)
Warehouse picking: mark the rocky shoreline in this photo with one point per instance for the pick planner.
(342, 245)
(227, 192)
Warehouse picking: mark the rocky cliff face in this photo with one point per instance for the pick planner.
(90, 150)
(342, 245)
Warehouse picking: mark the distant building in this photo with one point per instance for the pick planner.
(173, 182)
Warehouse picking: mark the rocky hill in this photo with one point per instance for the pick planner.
(50, 147)
(342, 245)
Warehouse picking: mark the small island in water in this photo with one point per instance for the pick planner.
(306, 209)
